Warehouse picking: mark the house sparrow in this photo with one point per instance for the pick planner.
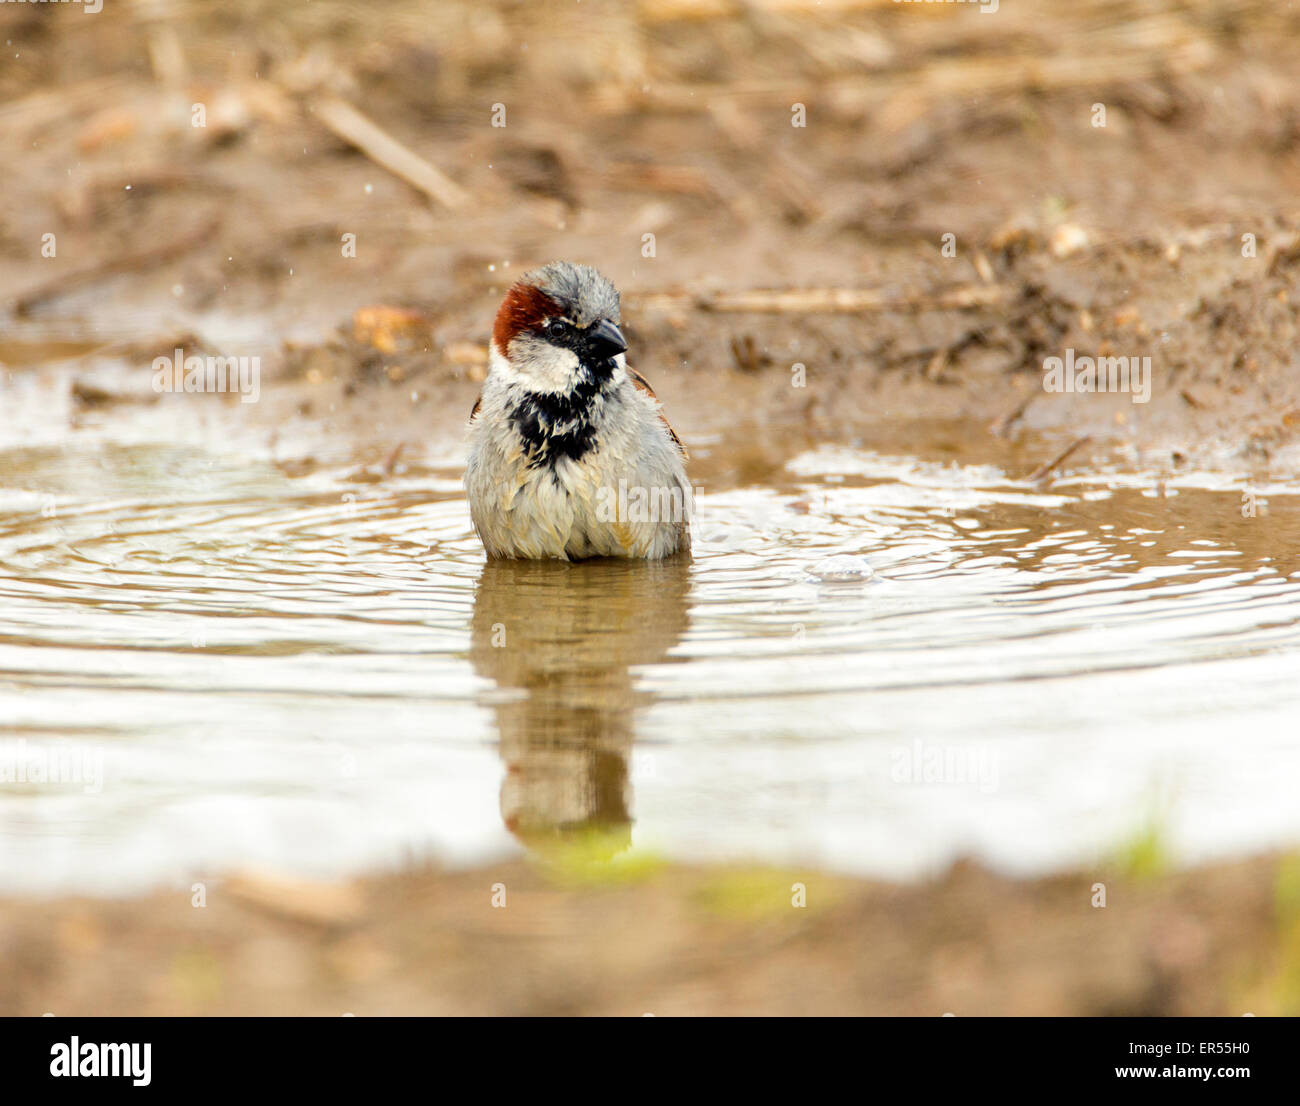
(570, 454)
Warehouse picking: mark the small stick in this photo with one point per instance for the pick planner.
(383, 149)
(1042, 471)
(48, 107)
(685, 179)
(145, 259)
(852, 300)
(1003, 424)
(812, 301)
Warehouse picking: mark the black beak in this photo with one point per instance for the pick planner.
(604, 340)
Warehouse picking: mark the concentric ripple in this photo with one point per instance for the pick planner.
(206, 664)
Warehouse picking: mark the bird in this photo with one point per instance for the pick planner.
(570, 454)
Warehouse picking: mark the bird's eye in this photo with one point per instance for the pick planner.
(555, 328)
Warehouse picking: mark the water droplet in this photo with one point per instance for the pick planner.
(842, 568)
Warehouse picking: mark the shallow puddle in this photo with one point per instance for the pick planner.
(873, 663)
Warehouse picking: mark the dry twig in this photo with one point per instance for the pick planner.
(1043, 471)
(383, 149)
(827, 301)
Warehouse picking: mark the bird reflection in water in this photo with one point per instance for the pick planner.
(565, 637)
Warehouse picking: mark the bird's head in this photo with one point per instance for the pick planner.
(557, 329)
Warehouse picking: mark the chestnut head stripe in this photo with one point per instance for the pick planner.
(524, 308)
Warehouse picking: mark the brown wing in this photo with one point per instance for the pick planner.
(477, 404)
(640, 383)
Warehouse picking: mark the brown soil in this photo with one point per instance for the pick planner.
(1222, 940)
(627, 119)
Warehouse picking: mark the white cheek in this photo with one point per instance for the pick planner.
(542, 365)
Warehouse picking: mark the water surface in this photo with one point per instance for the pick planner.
(206, 664)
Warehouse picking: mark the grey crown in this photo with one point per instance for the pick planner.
(583, 291)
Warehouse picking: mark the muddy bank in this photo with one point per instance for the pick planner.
(587, 937)
(656, 141)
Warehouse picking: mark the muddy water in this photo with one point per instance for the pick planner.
(872, 662)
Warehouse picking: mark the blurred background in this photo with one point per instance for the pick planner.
(954, 652)
(1096, 167)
